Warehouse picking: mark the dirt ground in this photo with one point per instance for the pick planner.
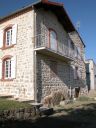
(74, 115)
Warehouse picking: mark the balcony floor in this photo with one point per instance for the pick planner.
(52, 53)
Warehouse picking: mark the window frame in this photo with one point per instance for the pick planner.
(76, 73)
(4, 39)
(53, 69)
(7, 68)
(13, 39)
(4, 78)
(52, 30)
(8, 40)
(72, 46)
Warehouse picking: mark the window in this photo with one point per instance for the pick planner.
(8, 40)
(72, 45)
(53, 69)
(77, 52)
(76, 72)
(8, 36)
(7, 67)
(53, 40)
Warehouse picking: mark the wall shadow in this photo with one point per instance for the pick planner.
(75, 118)
(56, 75)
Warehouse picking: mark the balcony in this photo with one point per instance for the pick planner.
(61, 51)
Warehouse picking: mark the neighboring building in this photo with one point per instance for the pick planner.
(91, 74)
(41, 52)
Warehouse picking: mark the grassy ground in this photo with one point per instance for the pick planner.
(80, 114)
(9, 104)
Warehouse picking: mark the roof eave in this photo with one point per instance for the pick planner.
(19, 10)
(62, 14)
(67, 23)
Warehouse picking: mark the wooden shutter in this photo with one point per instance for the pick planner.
(74, 72)
(1, 38)
(69, 46)
(0, 69)
(13, 67)
(79, 73)
(76, 51)
(79, 53)
(14, 34)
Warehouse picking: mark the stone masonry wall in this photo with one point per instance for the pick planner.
(52, 75)
(22, 86)
(45, 21)
(80, 63)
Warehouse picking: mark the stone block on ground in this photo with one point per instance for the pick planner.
(46, 111)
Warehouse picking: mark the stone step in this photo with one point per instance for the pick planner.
(25, 100)
(46, 111)
(6, 96)
(36, 104)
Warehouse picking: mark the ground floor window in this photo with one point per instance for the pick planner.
(53, 69)
(7, 68)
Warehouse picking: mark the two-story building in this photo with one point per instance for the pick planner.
(40, 52)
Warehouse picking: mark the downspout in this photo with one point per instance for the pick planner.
(34, 59)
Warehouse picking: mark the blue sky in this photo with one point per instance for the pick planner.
(78, 10)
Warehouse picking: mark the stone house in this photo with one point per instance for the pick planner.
(91, 74)
(40, 52)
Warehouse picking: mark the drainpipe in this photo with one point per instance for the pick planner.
(70, 92)
(34, 59)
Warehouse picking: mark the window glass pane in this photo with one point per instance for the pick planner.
(7, 68)
(72, 45)
(53, 69)
(8, 37)
(53, 40)
(10, 69)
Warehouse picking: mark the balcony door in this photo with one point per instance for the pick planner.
(53, 40)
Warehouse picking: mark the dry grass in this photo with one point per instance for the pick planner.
(10, 104)
(79, 114)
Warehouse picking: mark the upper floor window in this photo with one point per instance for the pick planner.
(72, 45)
(8, 36)
(77, 73)
(53, 39)
(77, 52)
